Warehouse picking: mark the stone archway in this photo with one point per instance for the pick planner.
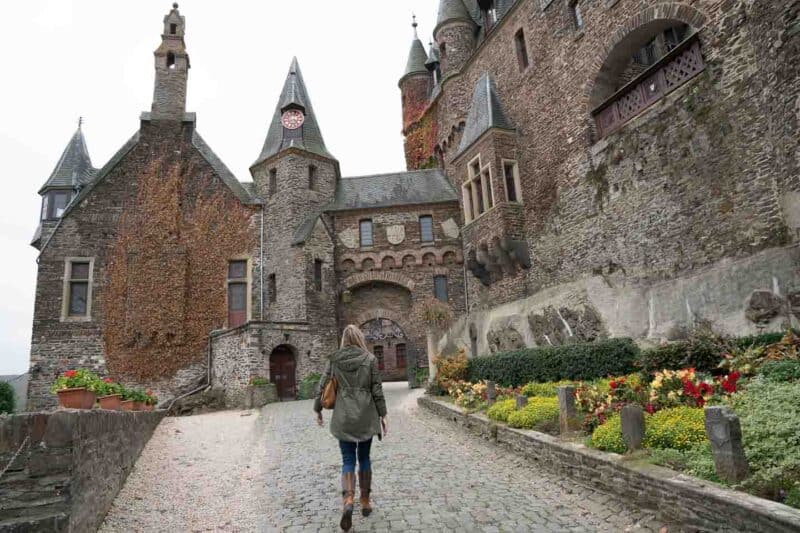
(283, 371)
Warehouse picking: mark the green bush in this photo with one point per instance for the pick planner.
(540, 413)
(501, 410)
(770, 417)
(696, 461)
(308, 386)
(608, 437)
(544, 389)
(765, 339)
(793, 496)
(779, 371)
(572, 362)
(679, 428)
(7, 398)
(667, 357)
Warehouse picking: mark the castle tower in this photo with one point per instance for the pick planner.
(73, 171)
(296, 177)
(415, 83)
(455, 34)
(172, 69)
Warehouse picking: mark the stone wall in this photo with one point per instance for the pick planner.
(677, 498)
(71, 469)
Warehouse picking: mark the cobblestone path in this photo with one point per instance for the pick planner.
(279, 471)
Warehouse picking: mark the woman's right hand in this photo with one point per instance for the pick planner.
(384, 426)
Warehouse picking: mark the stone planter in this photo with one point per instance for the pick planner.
(76, 398)
(128, 405)
(112, 402)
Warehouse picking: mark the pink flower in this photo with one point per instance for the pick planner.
(70, 374)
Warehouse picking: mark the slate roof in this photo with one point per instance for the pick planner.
(453, 10)
(294, 92)
(433, 56)
(485, 113)
(74, 169)
(398, 188)
(303, 231)
(416, 58)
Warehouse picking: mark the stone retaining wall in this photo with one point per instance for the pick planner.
(677, 498)
(71, 469)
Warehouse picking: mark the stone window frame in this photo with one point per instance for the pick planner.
(485, 175)
(446, 295)
(521, 50)
(65, 294)
(361, 223)
(517, 180)
(248, 279)
(422, 240)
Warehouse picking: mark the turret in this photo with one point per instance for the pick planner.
(416, 81)
(433, 64)
(172, 70)
(455, 33)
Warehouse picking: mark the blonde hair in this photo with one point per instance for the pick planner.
(353, 336)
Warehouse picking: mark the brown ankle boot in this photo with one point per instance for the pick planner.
(365, 482)
(348, 495)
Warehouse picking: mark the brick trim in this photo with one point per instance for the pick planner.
(388, 277)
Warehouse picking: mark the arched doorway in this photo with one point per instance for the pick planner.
(387, 340)
(282, 371)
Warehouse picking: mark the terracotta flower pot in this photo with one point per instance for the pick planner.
(149, 407)
(139, 406)
(112, 402)
(76, 398)
(128, 405)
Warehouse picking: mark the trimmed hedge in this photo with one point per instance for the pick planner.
(578, 362)
(7, 398)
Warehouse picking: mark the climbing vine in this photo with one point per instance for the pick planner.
(421, 141)
(167, 269)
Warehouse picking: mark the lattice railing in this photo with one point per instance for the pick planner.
(673, 70)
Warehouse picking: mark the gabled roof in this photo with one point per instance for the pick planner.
(222, 171)
(485, 113)
(294, 92)
(416, 58)
(74, 169)
(398, 188)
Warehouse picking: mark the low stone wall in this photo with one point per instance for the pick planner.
(677, 498)
(70, 470)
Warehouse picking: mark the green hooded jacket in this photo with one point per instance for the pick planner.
(359, 395)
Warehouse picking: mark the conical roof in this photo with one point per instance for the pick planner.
(433, 56)
(452, 10)
(74, 169)
(294, 94)
(485, 113)
(416, 58)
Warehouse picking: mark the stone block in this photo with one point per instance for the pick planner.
(491, 393)
(568, 419)
(632, 426)
(522, 401)
(60, 430)
(725, 433)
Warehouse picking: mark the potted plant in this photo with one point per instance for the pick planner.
(128, 399)
(76, 389)
(109, 395)
(139, 400)
(151, 401)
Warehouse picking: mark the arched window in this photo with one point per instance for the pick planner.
(644, 66)
(312, 177)
(170, 60)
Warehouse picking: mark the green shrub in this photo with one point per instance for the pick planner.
(308, 386)
(667, 357)
(540, 413)
(501, 410)
(778, 371)
(7, 398)
(608, 437)
(696, 461)
(544, 389)
(765, 339)
(572, 362)
(679, 428)
(770, 415)
(793, 496)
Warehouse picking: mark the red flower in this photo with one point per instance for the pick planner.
(705, 388)
(613, 385)
(108, 380)
(70, 374)
(700, 401)
(650, 408)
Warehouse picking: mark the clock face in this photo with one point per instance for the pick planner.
(292, 119)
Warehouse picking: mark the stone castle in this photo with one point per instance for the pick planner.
(577, 169)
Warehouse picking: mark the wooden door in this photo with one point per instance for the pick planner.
(282, 372)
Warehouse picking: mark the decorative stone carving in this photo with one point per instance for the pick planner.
(763, 306)
(396, 234)
(725, 433)
(349, 238)
(555, 327)
(632, 416)
(794, 302)
(478, 269)
(450, 228)
(568, 419)
(504, 337)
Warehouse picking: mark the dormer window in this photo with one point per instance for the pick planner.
(54, 203)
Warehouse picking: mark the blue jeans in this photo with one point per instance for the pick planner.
(349, 452)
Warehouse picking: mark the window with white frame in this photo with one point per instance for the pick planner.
(77, 296)
(511, 181)
(477, 191)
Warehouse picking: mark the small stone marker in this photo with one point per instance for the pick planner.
(725, 433)
(490, 392)
(522, 401)
(632, 426)
(567, 412)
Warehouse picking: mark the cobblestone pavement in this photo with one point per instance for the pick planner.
(279, 471)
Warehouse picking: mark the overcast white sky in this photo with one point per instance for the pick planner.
(62, 59)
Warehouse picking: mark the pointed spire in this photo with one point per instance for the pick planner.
(433, 56)
(74, 168)
(452, 10)
(485, 112)
(309, 137)
(416, 56)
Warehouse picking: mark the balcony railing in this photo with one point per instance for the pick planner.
(678, 66)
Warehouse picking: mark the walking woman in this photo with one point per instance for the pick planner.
(358, 415)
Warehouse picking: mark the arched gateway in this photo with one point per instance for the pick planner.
(387, 340)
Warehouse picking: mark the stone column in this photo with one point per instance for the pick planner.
(431, 341)
(491, 394)
(522, 401)
(725, 433)
(632, 416)
(567, 412)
